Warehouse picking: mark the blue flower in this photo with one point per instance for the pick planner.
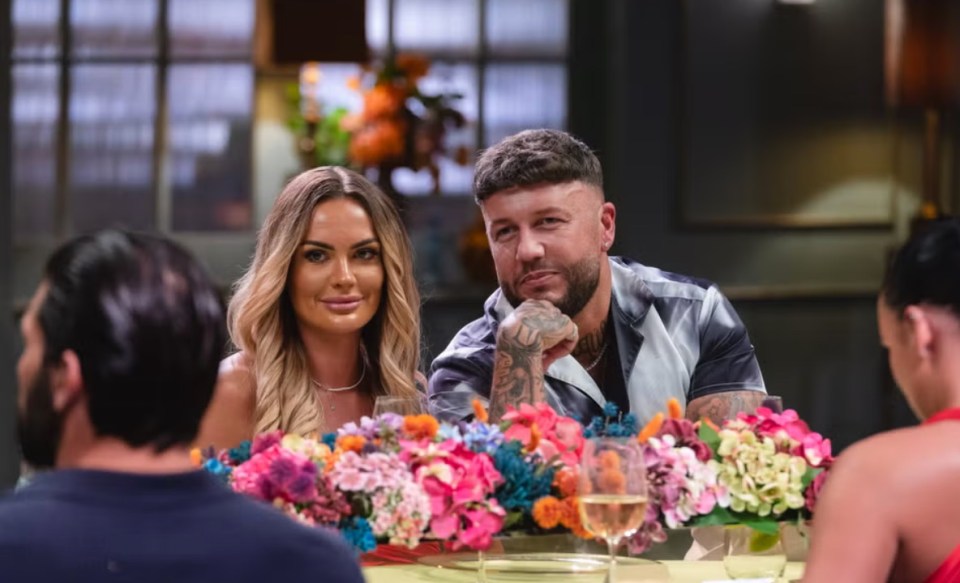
(357, 532)
(611, 424)
(330, 439)
(217, 468)
(448, 431)
(526, 478)
(239, 454)
(611, 409)
(481, 437)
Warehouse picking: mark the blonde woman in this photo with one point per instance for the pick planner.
(325, 319)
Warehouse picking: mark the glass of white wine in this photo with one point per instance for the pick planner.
(414, 405)
(612, 492)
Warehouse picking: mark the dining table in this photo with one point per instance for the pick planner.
(687, 556)
(672, 571)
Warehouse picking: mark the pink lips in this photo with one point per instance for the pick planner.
(536, 278)
(344, 304)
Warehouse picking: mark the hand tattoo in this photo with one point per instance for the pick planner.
(722, 406)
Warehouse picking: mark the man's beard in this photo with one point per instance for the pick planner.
(582, 280)
(39, 425)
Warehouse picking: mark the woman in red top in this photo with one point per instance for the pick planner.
(890, 509)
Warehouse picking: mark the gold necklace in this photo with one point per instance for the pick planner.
(596, 360)
(322, 387)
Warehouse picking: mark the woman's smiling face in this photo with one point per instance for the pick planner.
(336, 277)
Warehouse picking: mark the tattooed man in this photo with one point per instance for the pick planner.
(577, 328)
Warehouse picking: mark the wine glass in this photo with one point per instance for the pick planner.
(612, 492)
(407, 405)
(773, 402)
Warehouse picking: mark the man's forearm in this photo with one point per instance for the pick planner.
(517, 373)
(722, 406)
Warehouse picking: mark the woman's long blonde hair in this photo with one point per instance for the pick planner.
(262, 323)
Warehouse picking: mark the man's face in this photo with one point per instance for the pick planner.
(39, 424)
(548, 241)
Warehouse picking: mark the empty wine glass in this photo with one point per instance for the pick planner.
(612, 492)
(773, 402)
(415, 405)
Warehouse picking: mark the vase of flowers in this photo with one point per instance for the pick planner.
(400, 126)
(752, 554)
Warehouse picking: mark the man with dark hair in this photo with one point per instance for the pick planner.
(574, 327)
(122, 341)
(895, 493)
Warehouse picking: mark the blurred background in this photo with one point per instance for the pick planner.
(781, 149)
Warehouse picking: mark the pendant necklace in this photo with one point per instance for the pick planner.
(321, 386)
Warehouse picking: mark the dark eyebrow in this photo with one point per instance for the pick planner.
(330, 247)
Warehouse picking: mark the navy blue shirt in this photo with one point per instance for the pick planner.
(90, 526)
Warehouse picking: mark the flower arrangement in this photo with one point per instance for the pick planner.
(400, 126)
(400, 480)
(771, 465)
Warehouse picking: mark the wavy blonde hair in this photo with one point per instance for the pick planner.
(262, 323)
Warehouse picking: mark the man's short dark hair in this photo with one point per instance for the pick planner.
(535, 157)
(926, 270)
(147, 325)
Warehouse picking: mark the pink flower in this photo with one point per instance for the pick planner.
(817, 450)
(813, 490)
(460, 483)
(265, 441)
(561, 438)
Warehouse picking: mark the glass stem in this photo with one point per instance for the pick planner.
(612, 544)
(481, 568)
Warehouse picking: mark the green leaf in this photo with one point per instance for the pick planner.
(512, 519)
(709, 436)
(763, 541)
(764, 525)
(717, 517)
(809, 475)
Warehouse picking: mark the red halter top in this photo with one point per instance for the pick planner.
(949, 569)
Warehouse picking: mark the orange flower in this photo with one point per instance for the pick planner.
(353, 82)
(651, 428)
(535, 436)
(352, 443)
(196, 458)
(674, 410)
(382, 101)
(610, 459)
(420, 426)
(547, 511)
(413, 66)
(709, 423)
(462, 156)
(570, 517)
(612, 481)
(332, 460)
(565, 481)
(377, 142)
(480, 412)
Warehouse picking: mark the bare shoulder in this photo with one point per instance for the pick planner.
(230, 416)
(876, 456)
(236, 376)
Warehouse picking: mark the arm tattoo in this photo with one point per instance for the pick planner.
(722, 406)
(517, 373)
